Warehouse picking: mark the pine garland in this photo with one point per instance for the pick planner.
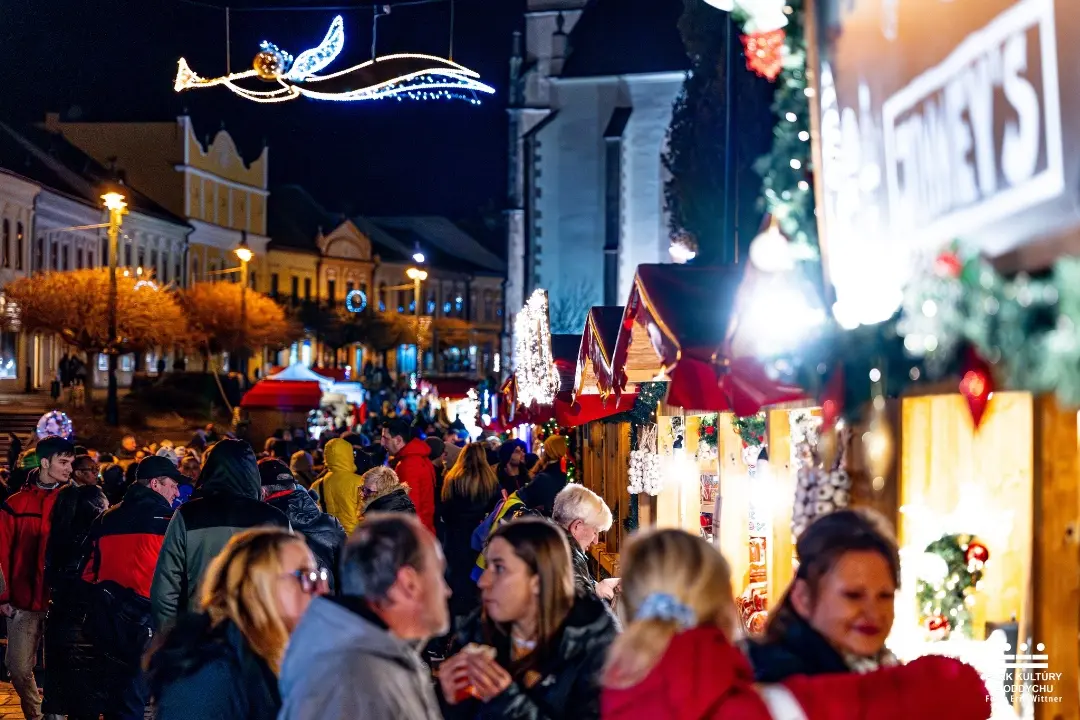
(707, 431)
(945, 606)
(751, 429)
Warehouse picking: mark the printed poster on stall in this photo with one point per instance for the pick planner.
(942, 120)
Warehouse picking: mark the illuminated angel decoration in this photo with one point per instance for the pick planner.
(405, 76)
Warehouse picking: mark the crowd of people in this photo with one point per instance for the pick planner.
(402, 575)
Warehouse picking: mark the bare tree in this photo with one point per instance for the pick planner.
(569, 306)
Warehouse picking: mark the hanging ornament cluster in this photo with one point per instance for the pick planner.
(946, 595)
(751, 429)
(644, 470)
(817, 492)
(765, 53)
(977, 386)
(404, 76)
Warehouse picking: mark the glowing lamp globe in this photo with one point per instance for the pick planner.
(770, 252)
(268, 64)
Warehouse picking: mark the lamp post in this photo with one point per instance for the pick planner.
(244, 254)
(115, 204)
(417, 276)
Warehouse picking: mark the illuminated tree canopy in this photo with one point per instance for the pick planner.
(213, 311)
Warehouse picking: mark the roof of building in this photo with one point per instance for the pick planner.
(626, 37)
(51, 161)
(435, 233)
(296, 219)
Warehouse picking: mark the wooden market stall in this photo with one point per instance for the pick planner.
(274, 404)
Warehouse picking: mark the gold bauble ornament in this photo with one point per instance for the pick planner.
(878, 442)
(269, 65)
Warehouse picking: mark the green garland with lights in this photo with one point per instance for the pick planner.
(707, 431)
(786, 170)
(751, 429)
(945, 606)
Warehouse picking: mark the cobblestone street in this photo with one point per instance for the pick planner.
(9, 703)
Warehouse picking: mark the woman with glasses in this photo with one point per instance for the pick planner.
(223, 662)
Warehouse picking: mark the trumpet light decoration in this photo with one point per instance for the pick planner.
(407, 76)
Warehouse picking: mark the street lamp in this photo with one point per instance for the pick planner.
(115, 204)
(417, 276)
(244, 254)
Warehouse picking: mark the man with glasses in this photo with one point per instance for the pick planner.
(125, 544)
(85, 471)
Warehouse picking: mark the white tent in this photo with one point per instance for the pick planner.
(302, 372)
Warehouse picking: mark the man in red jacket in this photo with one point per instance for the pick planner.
(24, 533)
(126, 542)
(412, 463)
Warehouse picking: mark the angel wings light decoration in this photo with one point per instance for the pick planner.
(400, 77)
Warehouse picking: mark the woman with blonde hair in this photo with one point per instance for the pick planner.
(384, 492)
(222, 663)
(548, 477)
(536, 648)
(470, 491)
(677, 659)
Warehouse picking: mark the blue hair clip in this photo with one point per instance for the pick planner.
(664, 606)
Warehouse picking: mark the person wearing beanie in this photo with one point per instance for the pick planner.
(303, 468)
(324, 534)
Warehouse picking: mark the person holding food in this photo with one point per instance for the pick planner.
(536, 647)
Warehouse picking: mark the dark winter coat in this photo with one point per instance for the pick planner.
(540, 493)
(800, 650)
(394, 501)
(583, 579)
(72, 684)
(204, 673)
(227, 502)
(461, 516)
(323, 532)
(569, 680)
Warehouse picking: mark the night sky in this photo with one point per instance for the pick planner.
(116, 59)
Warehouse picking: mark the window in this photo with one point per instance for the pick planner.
(89, 259)
(307, 289)
(39, 254)
(349, 287)
(21, 250)
(142, 257)
(104, 251)
(251, 280)
(7, 243)
(65, 255)
(273, 285)
(55, 251)
(164, 270)
(331, 292)
(79, 259)
(19, 238)
(9, 356)
(153, 260)
(127, 254)
(178, 276)
(382, 297)
(295, 289)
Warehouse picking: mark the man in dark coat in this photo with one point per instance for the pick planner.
(125, 544)
(70, 684)
(324, 534)
(229, 500)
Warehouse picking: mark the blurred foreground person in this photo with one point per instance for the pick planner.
(222, 663)
(355, 656)
(676, 659)
(536, 648)
(229, 499)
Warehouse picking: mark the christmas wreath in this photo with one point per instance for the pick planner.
(945, 596)
(751, 429)
(707, 434)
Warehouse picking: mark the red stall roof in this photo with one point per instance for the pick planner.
(285, 395)
(593, 371)
(675, 326)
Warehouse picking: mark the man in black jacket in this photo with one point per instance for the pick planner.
(229, 500)
(125, 544)
(324, 534)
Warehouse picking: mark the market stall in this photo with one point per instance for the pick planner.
(271, 405)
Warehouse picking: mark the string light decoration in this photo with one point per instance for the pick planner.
(408, 76)
(946, 598)
(537, 378)
(356, 301)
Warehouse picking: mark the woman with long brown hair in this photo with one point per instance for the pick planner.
(535, 649)
(222, 663)
(470, 491)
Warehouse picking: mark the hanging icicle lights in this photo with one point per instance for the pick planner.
(401, 77)
(537, 378)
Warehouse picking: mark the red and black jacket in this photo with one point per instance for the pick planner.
(126, 540)
(25, 521)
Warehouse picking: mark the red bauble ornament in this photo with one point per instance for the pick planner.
(832, 400)
(710, 430)
(937, 625)
(765, 52)
(977, 553)
(977, 387)
(948, 265)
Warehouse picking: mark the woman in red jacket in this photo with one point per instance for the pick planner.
(676, 660)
